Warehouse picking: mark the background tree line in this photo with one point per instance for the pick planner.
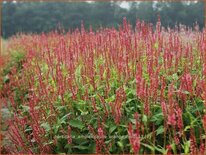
(40, 17)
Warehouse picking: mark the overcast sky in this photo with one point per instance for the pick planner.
(124, 4)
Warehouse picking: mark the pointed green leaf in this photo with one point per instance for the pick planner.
(76, 123)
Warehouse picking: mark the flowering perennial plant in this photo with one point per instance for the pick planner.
(131, 90)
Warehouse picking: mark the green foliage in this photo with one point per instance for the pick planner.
(16, 61)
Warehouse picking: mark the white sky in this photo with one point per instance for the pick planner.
(125, 5)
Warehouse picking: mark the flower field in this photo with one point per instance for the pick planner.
(132, 90)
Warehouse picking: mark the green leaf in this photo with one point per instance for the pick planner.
(174, 148)
(148, 146)
(84, 113)
(175, 76)
(28, 129)
(110, 99)
(47, 143)
(186, 147)
(76, 123)
(130, 100)
(186, 92)
(111, 129)
(147, 136)
(132, 120)
(80, 147)
(120, 144)
(78, 74)
(161, 149)
(160, 130)
(92, 147)
(156, 45)
(144, 119)
(67, 146)
(46, 126)
(6, 79)
(187, 128)
(157, 118)
(65, 117)
(61, 108)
